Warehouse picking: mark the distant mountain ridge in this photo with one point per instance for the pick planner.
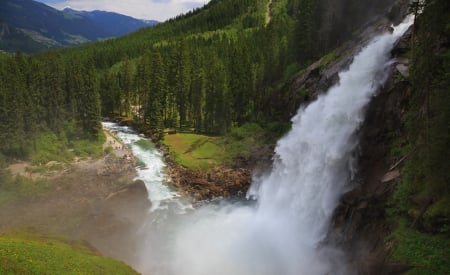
(31, 27)
(113, 23)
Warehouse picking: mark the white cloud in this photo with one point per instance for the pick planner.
(144, 9)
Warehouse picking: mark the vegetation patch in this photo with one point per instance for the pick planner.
(327, 59)
(202, 152)
(427, 254)
(195, 151)
(47, 147)
(88, 148)
(27, 253)
(51, 147)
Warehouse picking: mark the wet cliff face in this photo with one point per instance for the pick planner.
(345, 27)
(360, 222)
(340, 18)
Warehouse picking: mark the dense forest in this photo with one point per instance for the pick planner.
(206, 71)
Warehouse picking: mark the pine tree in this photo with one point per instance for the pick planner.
(155, 102)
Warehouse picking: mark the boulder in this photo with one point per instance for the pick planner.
(390, 176)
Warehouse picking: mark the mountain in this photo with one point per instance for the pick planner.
(31, 27)
(114, 24)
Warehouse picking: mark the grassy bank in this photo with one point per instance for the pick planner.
(426, 253)
(196, 151)
(26, 253)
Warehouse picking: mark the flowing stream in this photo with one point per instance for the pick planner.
(283, 233)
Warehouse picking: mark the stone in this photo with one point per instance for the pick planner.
(390, 176)
(403, 70)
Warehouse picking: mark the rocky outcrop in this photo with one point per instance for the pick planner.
(134, 193)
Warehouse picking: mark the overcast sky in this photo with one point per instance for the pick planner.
(160, 10)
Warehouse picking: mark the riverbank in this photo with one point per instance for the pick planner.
(205, 184)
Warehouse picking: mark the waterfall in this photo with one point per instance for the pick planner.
(283, 234)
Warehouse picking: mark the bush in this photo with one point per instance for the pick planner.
(48, 147)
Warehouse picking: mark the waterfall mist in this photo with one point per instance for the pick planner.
(283, 232)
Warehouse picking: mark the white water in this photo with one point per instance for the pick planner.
(150, 167)
(283, 233)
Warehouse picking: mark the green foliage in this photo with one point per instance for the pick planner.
(87, 148)
(25, 253)
(421, 202)
(249, 129)
(244, 141)
(427, 254)
(48, 147)
(425, 184)
(327, 59)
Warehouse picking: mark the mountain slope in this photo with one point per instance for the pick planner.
(30, 26)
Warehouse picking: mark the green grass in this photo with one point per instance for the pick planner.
(202, 152)
(428, 254)
(27, 253)
(195, 151)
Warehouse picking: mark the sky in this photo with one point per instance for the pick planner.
(160, 10)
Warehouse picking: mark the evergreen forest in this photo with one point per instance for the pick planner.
(206, 71)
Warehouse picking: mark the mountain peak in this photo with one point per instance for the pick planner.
(34, 26)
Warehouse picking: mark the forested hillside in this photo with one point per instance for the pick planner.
(206, 71)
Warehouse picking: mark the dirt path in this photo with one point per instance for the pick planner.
(268, 10)
(119, 149)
